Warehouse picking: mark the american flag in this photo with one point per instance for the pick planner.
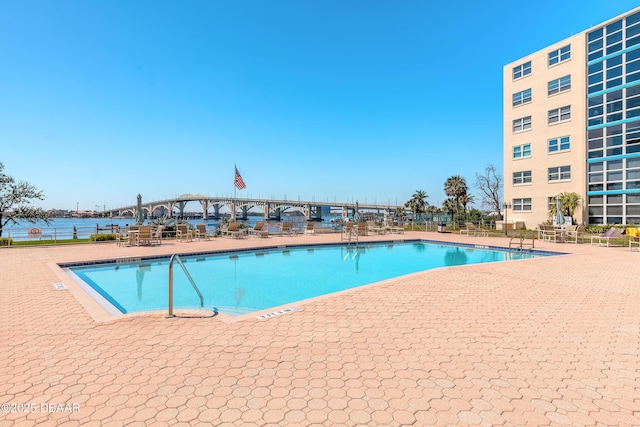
(238, 181)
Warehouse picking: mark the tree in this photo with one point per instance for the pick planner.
(465, 201)
(417, 204)
(456, 187)
(569, 202)
(450, 206)
(15, 201)
(490, 184)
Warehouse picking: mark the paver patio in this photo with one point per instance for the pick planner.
(546, 341)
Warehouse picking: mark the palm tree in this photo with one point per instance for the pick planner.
(450, 206)
(569, 202)
(465, 200)
(456, 187)
(417, 204)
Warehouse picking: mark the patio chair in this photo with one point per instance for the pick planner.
(202, 232)
(471, 228)
(310, 228)
(634, 241)
(547, 232)
(259, 230)
(575, 234)
(144, 235)
(234, 231)
(183, 233)
(612, 233)
(122, 239)
(361, 229)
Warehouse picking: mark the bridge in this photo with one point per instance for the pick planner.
(239, 207)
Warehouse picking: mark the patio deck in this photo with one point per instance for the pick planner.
(546, 341)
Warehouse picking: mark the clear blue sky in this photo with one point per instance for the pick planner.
(338, 100)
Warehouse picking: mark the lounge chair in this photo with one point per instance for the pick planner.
(374, 229)
(472, 229)
(285, 228)
(202, 232)
(144, 236)
(612, 233)
(234, 231)
(634, 241)
(183, 233)
(392, 228)
(310, 228)
(572, 235)
(259, 230)
(361, 229)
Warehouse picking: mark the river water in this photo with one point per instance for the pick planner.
(63, 228)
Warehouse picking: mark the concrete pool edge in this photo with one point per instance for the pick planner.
(100, 310)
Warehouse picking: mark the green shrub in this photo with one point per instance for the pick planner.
(102, 237)
(6, 241)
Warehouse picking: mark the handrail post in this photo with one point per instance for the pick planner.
(171, 288)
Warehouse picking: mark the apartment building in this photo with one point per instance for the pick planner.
(572, 125)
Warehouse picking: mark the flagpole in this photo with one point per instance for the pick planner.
(235, 189)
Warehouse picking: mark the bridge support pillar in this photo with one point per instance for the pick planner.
(205, 209)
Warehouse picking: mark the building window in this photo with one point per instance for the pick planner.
(522, 97)
(522, 70)
(560, 55)
(561, 173)
(523, 177)
(522, 124)
(522, 204)
(559, 144)
(520, 151)
(559, 85)
(560, 114)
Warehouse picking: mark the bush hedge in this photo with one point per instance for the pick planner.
(102, 237)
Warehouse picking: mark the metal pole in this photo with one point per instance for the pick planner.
(171, 288)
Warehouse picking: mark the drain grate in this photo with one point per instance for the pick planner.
(59, 286)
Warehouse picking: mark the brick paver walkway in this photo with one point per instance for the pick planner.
(547, 341)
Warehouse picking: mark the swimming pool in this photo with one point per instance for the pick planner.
(242, 282)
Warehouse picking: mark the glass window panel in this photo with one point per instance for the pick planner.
(614, 130)
(633, 66)
(614, 38)
(614, 106)
(596, 111)
(596, 200)
(596, 167)
(614, 199)
(633, 77)
(614, 186)
(633, 210)
(614, 141)
(596, 210)
(614, 26)
(595, 78)
(633, 198)
(595, 177)
(633, 162)
(596, 187)
(596, 220)
(633, 113)
(595, 154)
(613, 165)
(595, 55)
(633, 149)
(614, 96)
(595, 143)
(614, 151)
(595, 88)
(633, 185)
(633, 41)
(594, 68)
(633, 174)
(632, 19)
(614, 72)
(614, 176)
(614, 48)
(632, 55)
(614, 220)
(614, 210)
(614, 83)
(594, 35)
(595, 133)
(615, 61)
(633, 31)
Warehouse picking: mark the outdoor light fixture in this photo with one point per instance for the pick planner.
(505, 206)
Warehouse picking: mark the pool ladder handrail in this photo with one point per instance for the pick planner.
(176, 257)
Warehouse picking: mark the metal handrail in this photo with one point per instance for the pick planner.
(176, 257)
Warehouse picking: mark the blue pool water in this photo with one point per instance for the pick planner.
(243, 282)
